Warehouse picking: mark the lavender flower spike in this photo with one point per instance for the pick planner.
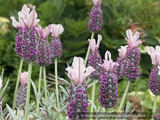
(78, 97)
(131, 63)
(56, 45)
(158, 115)
(26, 44)
(120, 61)
(108, 92)
(154, 83)
(44, 50)
(20, 100)
(95, 17)
(94, 58)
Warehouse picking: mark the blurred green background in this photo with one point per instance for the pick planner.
(118, 16)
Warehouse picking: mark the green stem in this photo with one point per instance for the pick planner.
(93, 94)
(154, 107)
(124, 97)
(17, 83)
(39, 90)
(28, 90)
(56, 80)
(86, 58)
(18, 112)
(45, 84)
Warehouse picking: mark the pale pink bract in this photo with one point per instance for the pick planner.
(155, 55)
(26, 19)
(77, 73)
(92, 43)
(96, 2)
(23, 78)
(43, 33)
(56, 30)
(108, 64)
(122, 51)
(133, 40)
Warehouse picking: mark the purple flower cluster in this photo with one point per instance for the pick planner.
(44, 53)
(26, 44)
(29, 45)
(94, 60)
(56, 48)
(77, 102)
(56, 45)
(108, 92)
(95, 18)
(154, 83)
(131, 64)
(20, 100)
(120, 61)
(158, 115)
(44, 50)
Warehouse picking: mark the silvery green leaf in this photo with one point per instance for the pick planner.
(128, 110)
(2, 74)
(35, 89)
(63, 90)
(60, 112)
(1, 24)
(11, 112)
(4, 88)
(62, 79)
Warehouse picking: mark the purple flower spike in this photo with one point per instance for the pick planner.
(154, 83)
(78, 95)
(95, 17)
(131, 65)
(22, 91)
(120, 61)
(44, 50)
(94, 58)
(56, 45)
(158, 115)
(26, 36)
(108, 92)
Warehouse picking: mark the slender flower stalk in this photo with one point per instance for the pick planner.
(28, 90)
(154, 107)
(45, 84)
(93, 95)
(39, 90)
(56, 80)
(78, 98)
(88, 50)
(17, 83)
(124, 97)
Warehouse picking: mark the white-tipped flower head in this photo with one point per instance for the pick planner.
(56, 45)
(94, 58)
(154, 83)
(77, 74)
